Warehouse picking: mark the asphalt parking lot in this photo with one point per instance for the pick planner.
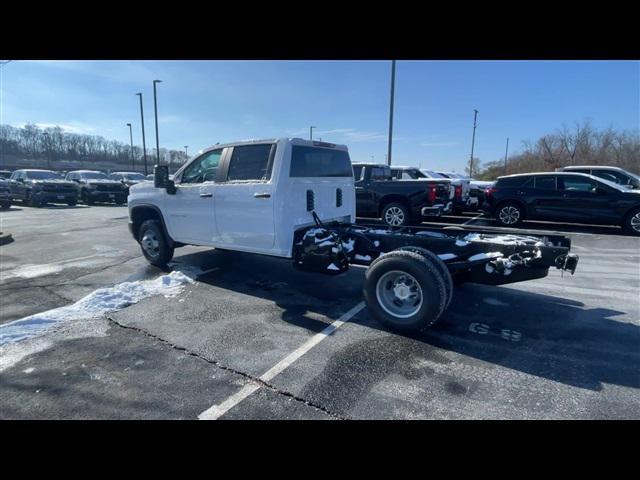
(252, 338)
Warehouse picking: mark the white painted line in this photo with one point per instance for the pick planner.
(217, 411)
(472, 219)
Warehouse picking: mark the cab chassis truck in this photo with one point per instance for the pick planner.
(300, 205)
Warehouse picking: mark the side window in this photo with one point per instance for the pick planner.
(14, 176)
(357, 172)
(545, 183)
(577, 184)
(612, 176)
(250, 162)
(380, 173)
(203, 169)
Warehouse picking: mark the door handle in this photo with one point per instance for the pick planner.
(262, 195)
(206, 195)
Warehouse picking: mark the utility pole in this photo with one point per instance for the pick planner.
(311, 133)
(392, 94)
(473, 140)
(155, 106)
(144, 145)
(133, 168)
(505, 156)
(185, 151)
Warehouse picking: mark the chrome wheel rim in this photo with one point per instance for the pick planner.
(399, 294)
(150, 243)
(635, 222)
(394, 216)
(509, 215)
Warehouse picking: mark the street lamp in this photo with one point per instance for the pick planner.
(185, 151)
(311, 133)
(133, 168)
(144, 145)
(473, 141)
(155, 105)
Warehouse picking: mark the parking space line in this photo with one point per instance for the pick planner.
(216, 411)
(472, 219)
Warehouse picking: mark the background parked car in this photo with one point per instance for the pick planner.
(613, 174)
(38, 187)
(93, 186)
(563, 197)
(5, 193)
(5, 174)
(128, 178)
(464, 199)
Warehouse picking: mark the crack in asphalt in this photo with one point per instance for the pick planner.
(230, 369)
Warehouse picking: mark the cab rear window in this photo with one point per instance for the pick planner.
(319, 162)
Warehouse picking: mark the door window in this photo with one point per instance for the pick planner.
(203, 169)
(576, 184)
(545, 183)
(250, 162)
(381, 173)
(357, 172)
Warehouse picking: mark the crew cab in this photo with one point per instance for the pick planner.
(93, 186)
(378, 195)
(39, 187)
(565, 197)
(296, 199)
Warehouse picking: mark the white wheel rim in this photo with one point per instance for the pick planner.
(394, 216)
(635, 222)
(399, 294)
(509, 215)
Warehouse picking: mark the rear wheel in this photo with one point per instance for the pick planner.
(404, 291)
(6, 205)
(396, 215)
(439, 265)
(154, 244)
(631, 223)
(72, 203)
(510, 214)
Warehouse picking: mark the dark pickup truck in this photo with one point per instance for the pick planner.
(398, 203)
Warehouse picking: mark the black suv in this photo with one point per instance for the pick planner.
(93, 186)
(39, 187)
(563, 197)
(613, 174)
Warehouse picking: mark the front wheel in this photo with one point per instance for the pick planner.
(510, 214)
(86, 198)
(395, 215)
(404, 291)
(631, 223)
(154, 244)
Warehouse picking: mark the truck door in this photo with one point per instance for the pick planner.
(190, 212)
(245, 198)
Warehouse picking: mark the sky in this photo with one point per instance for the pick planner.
(201, 103)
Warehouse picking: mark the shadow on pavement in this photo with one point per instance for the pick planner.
(543, 335)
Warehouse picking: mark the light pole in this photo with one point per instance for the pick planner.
(155, 105)
(47, 153)
(391, 97)
(506, 152)
(133, 168)
(311, 133)
(473, 140)
(185, 151)
(144, 145)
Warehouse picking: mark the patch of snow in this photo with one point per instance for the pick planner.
(446, 256)
(28, 370)
(503, 239)
(332, 267)
(483, 256)
(495, 302)
(96, 304)
(364, 258)
(376, 243)
(348, 246)
(461, 243)
(426, 233)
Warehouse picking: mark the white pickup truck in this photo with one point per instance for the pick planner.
(295, 199)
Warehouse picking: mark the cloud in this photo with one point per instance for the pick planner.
(72, 127)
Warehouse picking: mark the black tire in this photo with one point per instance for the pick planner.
(31, 202)
(423, 271)
(631, 219)
(440, 266)
(155, 248)
(86, 198)
(396, 215)
(6, 205)
(509, 214)
(72, 203)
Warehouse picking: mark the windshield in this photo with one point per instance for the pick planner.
(43, 176)
(135, 176)
(615, 185)
(432, 174)
(94, 176)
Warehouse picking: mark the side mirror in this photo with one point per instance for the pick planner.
(161, 179)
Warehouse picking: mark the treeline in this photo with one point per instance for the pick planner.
(50, 146)
(581, 145)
